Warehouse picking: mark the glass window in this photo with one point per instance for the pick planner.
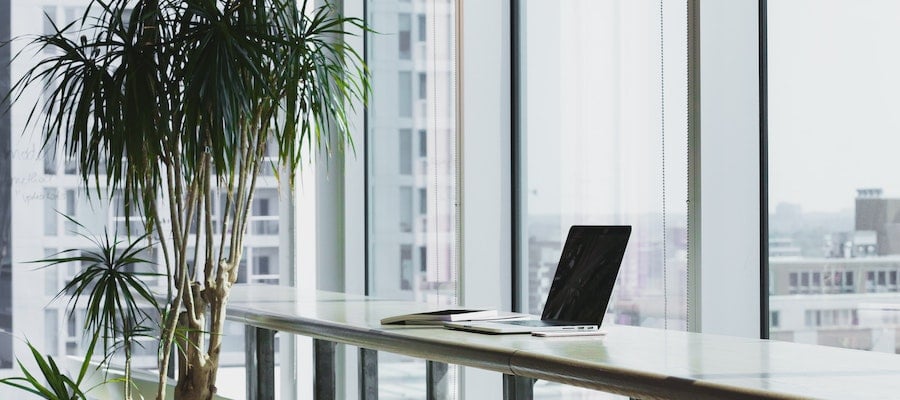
(261, 263)
(412, 249)
(50, 211)
(423, 86)
(406, 151)
(71, 326)
(406, 209)
(51, 275)
(601, 147)
(73, 13)
(50, 161)
(264, 264)
(422, 27)
(423, 258)
(51, 332)
(47, 20)
(406, 267)
(423, 143)
(604, 142)
(423, 201)
(70, 227)
(404, 32)
(264, 219)
(70, 166)
(832, 185)
(404, 94)
(261, 206)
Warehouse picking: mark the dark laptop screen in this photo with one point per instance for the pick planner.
(586, 273)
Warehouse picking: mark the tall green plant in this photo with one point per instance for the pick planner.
(168, 101)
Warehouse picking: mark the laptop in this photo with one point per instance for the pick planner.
(581, 287)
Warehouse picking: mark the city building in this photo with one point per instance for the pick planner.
(413, 151)
(844, 302)
(878, 215)
(848, 298)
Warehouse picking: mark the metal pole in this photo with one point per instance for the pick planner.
(368, 374)
(324, 376)
(260, 358)
(517, 387)
(437, 385)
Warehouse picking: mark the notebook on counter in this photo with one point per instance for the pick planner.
(581, 288)
(439, 317)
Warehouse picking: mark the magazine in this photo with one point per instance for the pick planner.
(440, 316)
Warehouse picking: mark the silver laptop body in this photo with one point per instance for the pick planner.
(581, 288)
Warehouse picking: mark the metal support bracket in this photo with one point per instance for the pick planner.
(438, 383)
(518, 387)
(368, 374)
(260, 358)
(324, 376)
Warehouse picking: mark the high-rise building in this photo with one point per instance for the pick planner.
(412, 141)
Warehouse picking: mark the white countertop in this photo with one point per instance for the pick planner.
(640, 362)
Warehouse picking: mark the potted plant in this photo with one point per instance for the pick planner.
(170, 101)
(118, 306)
(50, 382)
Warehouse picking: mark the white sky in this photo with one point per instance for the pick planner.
(834, 101)
(834, 98)
(592, 107)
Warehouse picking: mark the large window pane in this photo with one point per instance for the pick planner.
(834, 194)
(399, 179)
(411, 166)
(604, 141)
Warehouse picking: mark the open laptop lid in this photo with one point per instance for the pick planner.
(586, 273)
(581, 288)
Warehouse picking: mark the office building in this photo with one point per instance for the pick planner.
(413, 169)
(848, 297)
(880, 216)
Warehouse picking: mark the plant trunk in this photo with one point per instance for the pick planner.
(198, 364)
(197, 383)
(196, 370)
(128, 382)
